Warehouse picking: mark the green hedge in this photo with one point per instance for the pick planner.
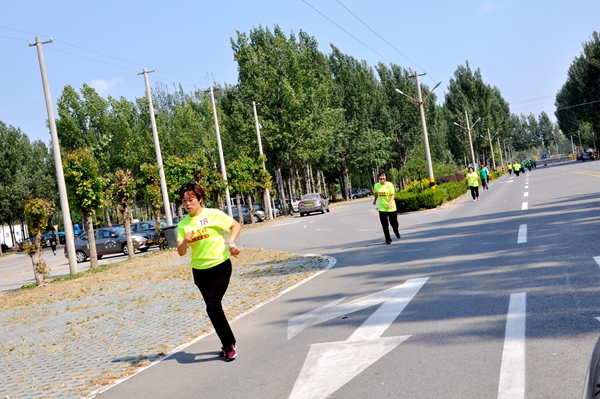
(429, 198)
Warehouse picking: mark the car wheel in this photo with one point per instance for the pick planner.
(80, 256)
(144, 249)
(256, 220)
(301, 214)
(322, 210)
(125, 249)
(327, 209)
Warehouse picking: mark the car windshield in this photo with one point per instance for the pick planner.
(310, 196)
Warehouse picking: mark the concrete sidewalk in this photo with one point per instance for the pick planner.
(68, 343)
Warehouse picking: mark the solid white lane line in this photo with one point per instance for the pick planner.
(524, 207)
(522, 239)
(526, 194)
(597, 259)
(512, 370)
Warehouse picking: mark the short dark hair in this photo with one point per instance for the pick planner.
(382, 174)
(191, 187)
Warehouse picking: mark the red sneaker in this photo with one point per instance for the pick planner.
(230, 353)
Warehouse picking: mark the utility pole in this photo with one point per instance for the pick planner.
(267, 195)
(500, 151)
(60, 176)
(470, 140)
(223, 170)
(420, 103)
(468, 129)
(491, 149)
(161, 170)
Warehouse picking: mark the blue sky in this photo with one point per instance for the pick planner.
(522, 47)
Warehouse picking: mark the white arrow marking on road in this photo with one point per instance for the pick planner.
(329, 366)
(512, 370)
(522, 238)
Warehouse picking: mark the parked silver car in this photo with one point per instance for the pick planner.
(257, 215)
(313, 202)
(109, 240)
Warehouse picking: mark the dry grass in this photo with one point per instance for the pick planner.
(150, 268)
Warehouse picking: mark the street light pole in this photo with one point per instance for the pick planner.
(161, 170)
(260, 152)
(60, 176)
(223, 170)
(420, 103)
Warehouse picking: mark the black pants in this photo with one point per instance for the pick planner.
(474, 191)
(392, 217)
(213, 283)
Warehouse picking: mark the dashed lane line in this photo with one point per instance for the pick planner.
(512, 369)
(522, 238)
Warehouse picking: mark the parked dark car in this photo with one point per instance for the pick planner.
(20, 244)
(146, 227)
(313, 202)
(109, 240)
(587, 156)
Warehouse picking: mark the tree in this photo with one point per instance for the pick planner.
(578, 101)
(290, 78)
(36, 212)
(85, 189)
(124, 190)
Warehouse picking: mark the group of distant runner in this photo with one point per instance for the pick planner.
(520, 167)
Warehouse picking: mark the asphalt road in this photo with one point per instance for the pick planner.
(490, 299)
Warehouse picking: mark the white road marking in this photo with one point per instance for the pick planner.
(522, 238)
(526, 186)
(285, 224)
(305, 226)
(526, 194)
(329, 366)
(512, 370)
(597, 259)
(525, 205)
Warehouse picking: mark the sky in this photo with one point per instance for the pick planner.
(523, 47)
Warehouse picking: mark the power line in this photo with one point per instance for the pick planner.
(388, 43)
(348, 33)
(578, 105)
(96, 52)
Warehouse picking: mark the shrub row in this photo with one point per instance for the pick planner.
(430, 198)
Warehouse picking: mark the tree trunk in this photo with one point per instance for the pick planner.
(319, 188)
(252, 211)
(300, 190)
(281, 190)
(238, 204)
(106, 220)
(36, 258)
(127, 224)
(89, 227)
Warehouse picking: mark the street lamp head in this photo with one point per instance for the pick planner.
(399, 91)
(456, 124)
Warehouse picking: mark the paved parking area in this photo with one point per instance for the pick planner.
(68, 346)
